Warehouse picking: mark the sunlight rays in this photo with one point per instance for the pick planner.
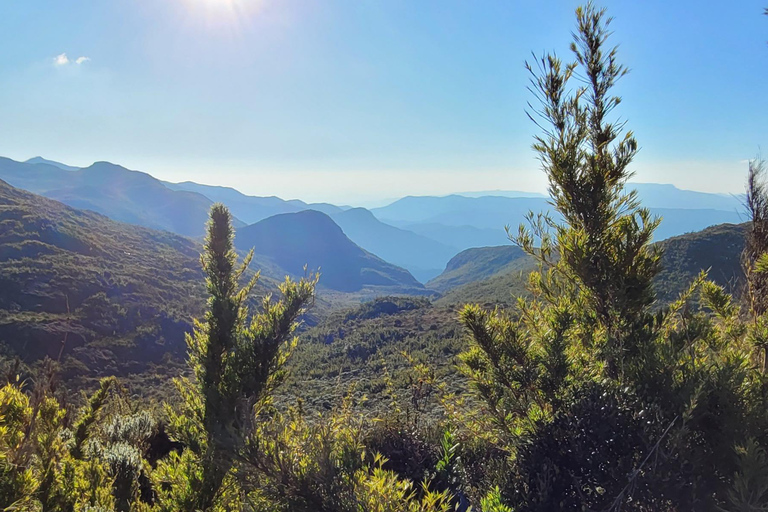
(228, 15)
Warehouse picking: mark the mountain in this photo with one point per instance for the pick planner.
(41, 160)
(120, 194)
(422, 256)
(657, 195)
(251, 209)
(480, 263)
(311, 238)
(438, 217)
(497, 280)
(716, 249)
(111, 298)
(458, 237)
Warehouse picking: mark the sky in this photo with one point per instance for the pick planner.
(360, 101)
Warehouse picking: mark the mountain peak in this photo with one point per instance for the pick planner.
(41, 160)
(311, 238)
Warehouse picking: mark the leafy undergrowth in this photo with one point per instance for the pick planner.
(371, 354)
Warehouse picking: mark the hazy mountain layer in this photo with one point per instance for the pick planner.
(120, 194)
(418, 233)
(252, 209)
(422, 256)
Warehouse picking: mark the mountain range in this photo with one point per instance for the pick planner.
(420, 234)
(120, 194)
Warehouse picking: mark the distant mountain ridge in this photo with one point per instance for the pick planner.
(252, 209)
(449, 215)
(422, 256)
(417, 233)
(112, 190)
(41, 160)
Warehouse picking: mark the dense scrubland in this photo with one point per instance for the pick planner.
(599, 371)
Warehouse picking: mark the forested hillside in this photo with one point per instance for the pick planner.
(104, 297)
(479, 264)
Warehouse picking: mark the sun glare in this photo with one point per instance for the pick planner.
(214, 13)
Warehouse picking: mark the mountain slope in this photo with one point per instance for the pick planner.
(120, 194)
(716, 249)
(121, 296)
(478, 264)
(311, 238)
(423, 257)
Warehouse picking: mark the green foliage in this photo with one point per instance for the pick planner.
(235, 362)
(592, 391)
(750, 484)
(39, 471)
(587, 379)
(753, 257)
(370, 351)
(236, 452)
(323, 466)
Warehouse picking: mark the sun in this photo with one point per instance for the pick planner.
(222, 12)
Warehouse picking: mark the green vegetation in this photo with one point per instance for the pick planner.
(718, 250)
(479, 264)
(232, 450)
(104, 298)
(368, 353)
(598, 399)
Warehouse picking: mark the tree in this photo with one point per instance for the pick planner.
(236, 362)
(756, 244)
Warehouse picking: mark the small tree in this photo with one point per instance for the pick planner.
(756, 243)
(595, 284)
(236, 362)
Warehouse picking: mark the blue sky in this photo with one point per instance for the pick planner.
(356, 100)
